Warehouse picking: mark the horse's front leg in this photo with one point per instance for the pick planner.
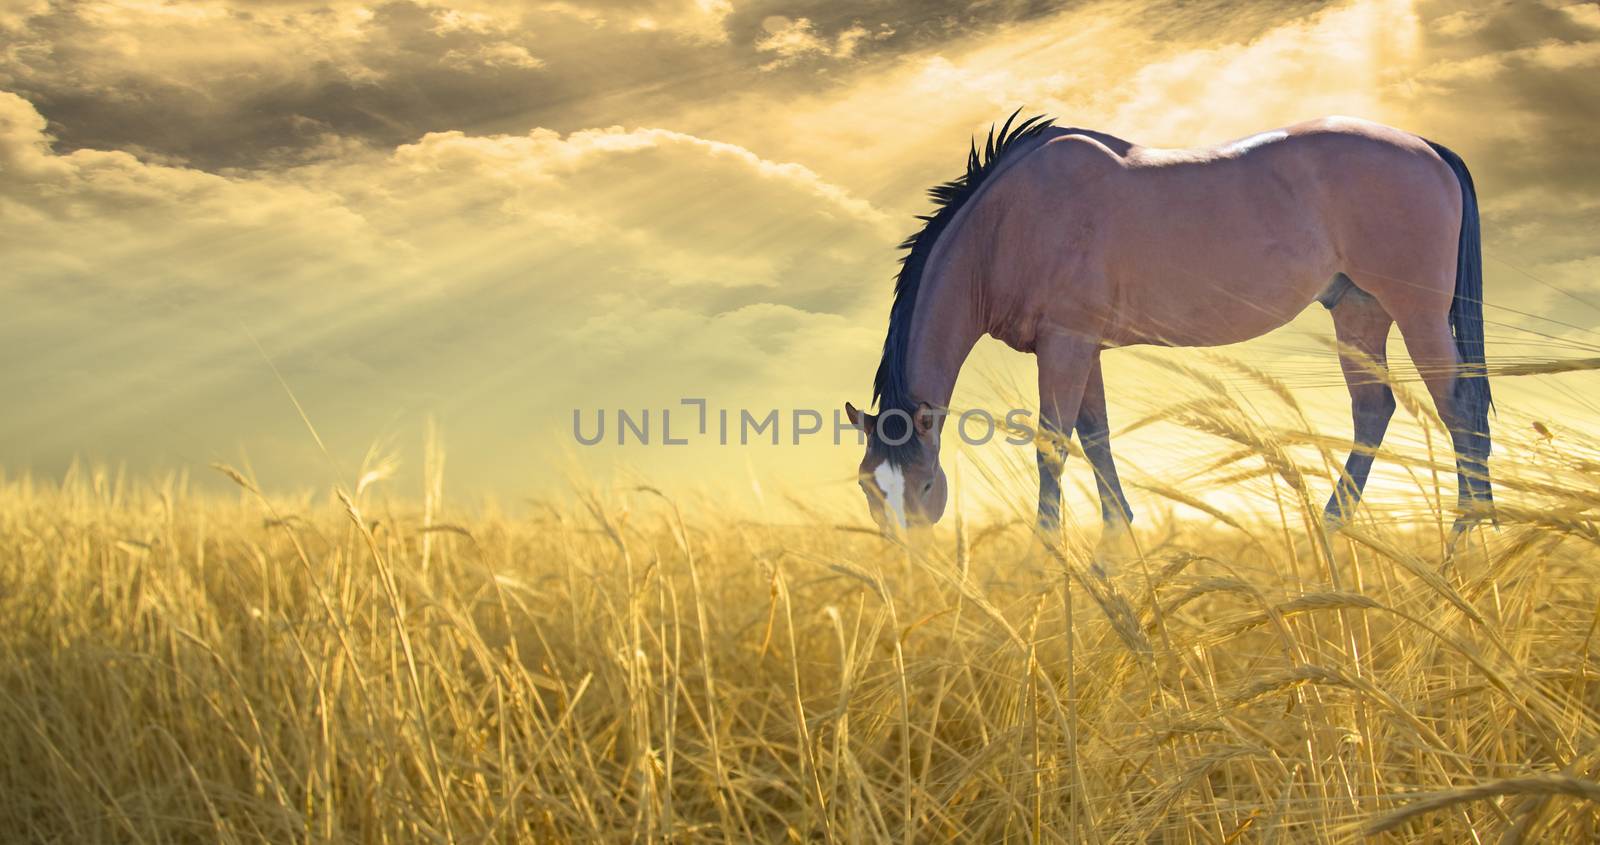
(1050, 459)
(1094, 432)
(1065, 363)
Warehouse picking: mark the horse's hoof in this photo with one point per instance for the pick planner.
(1115, 550)
(1337, 512)
(1464, 524)
(1471, 516)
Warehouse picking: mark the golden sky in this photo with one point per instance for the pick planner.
(492, 214)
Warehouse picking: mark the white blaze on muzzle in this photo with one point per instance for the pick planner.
(893, 484)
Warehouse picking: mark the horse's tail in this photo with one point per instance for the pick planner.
(1473, 400)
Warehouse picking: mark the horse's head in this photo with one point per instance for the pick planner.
(900, 472)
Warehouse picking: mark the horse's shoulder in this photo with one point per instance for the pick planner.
(1087, 143)
(1078, 156)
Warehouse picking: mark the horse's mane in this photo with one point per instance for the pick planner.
(889, 388)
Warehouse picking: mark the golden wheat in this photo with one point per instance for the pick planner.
(188, 667)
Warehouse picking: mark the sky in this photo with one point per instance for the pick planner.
(490, 215)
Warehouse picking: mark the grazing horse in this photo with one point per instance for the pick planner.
(1065, 242)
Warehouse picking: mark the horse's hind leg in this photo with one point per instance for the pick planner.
(1433, 349)
(1094, 433)
(1362, 327)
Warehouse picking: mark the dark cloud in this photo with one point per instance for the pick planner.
(277, 82)
(1514, 88)
(389, 77)
(246, 88)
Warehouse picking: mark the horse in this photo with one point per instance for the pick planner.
(1065, 242)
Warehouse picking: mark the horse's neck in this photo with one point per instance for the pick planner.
(946, 325)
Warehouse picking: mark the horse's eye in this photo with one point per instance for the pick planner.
(926, 486)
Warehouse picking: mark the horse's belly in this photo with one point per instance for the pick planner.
(1217, 275)
(1206, 309)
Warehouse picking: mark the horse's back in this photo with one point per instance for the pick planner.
(1216, 244)
(1325, 134)
(1366, 196)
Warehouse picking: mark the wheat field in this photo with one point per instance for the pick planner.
(177, 666)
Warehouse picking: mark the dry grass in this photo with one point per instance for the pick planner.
(176, 667)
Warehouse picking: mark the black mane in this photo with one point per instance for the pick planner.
(889, 388)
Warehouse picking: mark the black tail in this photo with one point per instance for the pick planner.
(1473, 401)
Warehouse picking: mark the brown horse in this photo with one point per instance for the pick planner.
(1065, 242)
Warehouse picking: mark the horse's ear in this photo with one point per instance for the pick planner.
(926, 416)
(858, 419)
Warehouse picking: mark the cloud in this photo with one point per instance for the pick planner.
(500, 54)
(1586, 15)
(14, 13)
(219, 83)
(105, 220)
(661, 207)
(1513, 96)
(701, 19)
(679, 204)
(793, 40)
(212, 83)
(1550, 55)
(1457, 24)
